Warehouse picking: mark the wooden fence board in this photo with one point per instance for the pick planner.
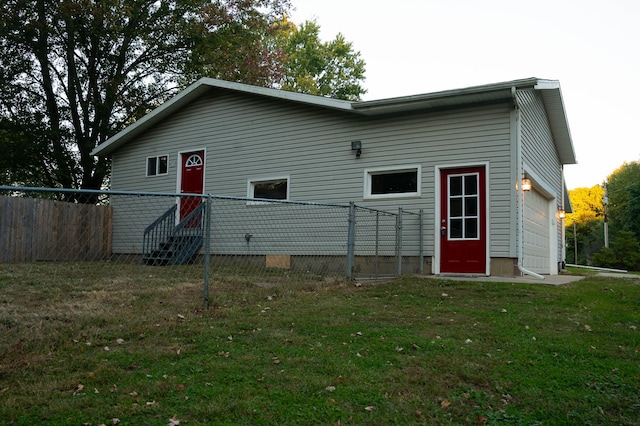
(46, 230)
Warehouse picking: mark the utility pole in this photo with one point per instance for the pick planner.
(575, 244)
(606, 212)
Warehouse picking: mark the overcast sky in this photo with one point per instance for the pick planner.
(423, 46)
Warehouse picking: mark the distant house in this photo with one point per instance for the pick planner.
(460, 155)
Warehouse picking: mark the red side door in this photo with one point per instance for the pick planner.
(192, 182)
(463, 239)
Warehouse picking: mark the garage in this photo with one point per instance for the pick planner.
(537, 233)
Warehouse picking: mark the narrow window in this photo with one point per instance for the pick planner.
(269, 189)
(158, 165)
(392, 182)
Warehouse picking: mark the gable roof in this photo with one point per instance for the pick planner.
(489, 93)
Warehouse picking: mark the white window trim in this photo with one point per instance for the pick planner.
(157, 157)
(391, 169)
(251, 184)
(463, 217)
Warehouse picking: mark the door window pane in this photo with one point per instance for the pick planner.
(455, 186)
(455, 228)
(455, 207)
(471, 206)
(471, 228)
(471, 185)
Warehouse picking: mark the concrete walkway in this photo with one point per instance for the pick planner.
(548, 279)
(527, 279)
(619, 275)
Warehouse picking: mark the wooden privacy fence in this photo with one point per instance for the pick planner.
(33, 229)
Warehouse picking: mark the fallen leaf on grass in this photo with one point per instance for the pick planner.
(330, 388)
(370, 408)
(445, 403)
(173, 421)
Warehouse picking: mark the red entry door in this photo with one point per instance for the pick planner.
(463, 247)
(192, 181)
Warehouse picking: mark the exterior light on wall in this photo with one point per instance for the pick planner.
(526, 185)
(357, 147)
(561, 213)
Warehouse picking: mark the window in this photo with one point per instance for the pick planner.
(390, 182)
(463, 207)
(157, 165)
(270, 189)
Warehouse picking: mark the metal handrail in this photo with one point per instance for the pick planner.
(160, 230)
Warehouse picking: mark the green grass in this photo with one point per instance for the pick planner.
(409, 351)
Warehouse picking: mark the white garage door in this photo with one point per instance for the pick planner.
(537, 249)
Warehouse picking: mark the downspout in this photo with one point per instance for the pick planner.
(520, 174)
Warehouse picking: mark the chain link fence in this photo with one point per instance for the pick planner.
(205, 237)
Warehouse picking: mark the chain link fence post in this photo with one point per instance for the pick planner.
(399, 242)
(351, 240)
(207, 250)
(421, 236)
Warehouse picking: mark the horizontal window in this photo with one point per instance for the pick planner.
(157, 165)
(269, 189)
(392, 182)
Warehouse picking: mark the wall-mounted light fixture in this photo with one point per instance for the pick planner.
(526, 185)
(357, 147)
(561, 213)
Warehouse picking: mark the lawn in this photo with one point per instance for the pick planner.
(133, 345)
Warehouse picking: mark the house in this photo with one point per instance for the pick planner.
(459, 155)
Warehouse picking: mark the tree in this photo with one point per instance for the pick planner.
(623, 189)
(318, 68)
(586, 222)
(74, 72)
(587, 205)
(623, 254)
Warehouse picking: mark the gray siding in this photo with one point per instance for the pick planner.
(252, 137)
(539, 152)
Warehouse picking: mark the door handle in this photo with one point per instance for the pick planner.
(443, 231)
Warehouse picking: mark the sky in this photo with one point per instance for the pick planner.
(422, 46)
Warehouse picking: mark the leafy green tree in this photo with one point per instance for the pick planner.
(584, 227)
(624, 253)
(74, 72)
(623, 189)
(315, 67)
